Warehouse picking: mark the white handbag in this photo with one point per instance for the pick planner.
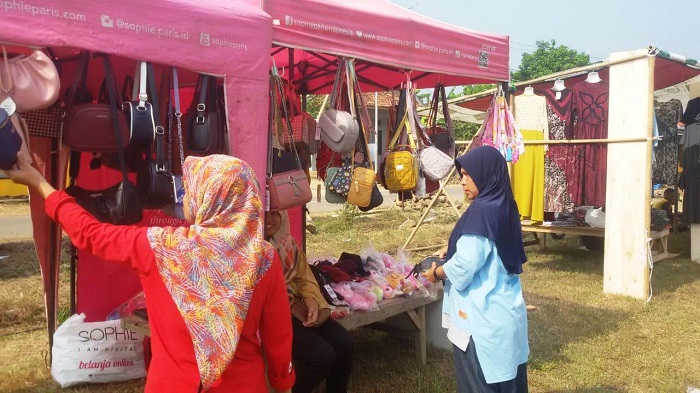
(434, 163)
(339, 130)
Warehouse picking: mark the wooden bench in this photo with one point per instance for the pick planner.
(387, 318)
(659, 240)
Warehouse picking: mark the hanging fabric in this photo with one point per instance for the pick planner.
(499, 130)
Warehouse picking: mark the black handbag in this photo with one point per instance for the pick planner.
(140, 113)
(10, 142)
(376, 201)
(119, 204)
(154, 180)
(206, 126)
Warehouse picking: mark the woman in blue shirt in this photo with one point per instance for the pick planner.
(483, 307)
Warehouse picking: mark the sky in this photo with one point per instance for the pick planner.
(595, 27)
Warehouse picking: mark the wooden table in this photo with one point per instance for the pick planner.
(387, 319)
(658, 239)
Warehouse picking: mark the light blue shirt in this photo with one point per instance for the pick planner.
(483, 300)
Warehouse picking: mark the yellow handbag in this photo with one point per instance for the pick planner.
(401, 166)
(361, 185)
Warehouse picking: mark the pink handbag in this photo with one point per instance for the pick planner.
(32, 82)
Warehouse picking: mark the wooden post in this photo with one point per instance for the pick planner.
(628, 189)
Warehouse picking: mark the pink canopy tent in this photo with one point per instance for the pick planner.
(388, 43)
(386, 40)
(188, 34)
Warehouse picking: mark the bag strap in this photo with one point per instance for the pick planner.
(446, 110)
(270, 127)
(403, 125)
(80, 77)
(364, 119)
(111, 88)
(127, 86)
(202, 103)
(287, 122)
(160, 131)
(142, 78)
(178, 116)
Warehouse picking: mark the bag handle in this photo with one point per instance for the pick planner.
(403, 124)
(7, 72)
(178, 116)
(288, 123)
(111, 89)
(357, 101)
(155, 107)
(80, 77)
(446, 110)
(141, 78)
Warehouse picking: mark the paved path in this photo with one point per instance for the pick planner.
(14, 228)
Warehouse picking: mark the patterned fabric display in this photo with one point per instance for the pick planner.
(44, 122)
(341, 181)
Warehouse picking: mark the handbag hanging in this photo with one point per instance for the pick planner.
(441, 137)
(175, 207)
(401, 166)
(332, 197)
(154, 181)
(140, 112)
(291, 188)
(90, 127)
(119, 204)
(206, 125)
(303, 125)
(339, 129)
(363, 178)
(28, 83)
(435, 165)
(10, 141)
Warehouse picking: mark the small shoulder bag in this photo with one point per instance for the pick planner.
(290, 188)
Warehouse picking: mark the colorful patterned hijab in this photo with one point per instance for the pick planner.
(211, 267)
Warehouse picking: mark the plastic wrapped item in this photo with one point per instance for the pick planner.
(127, 308)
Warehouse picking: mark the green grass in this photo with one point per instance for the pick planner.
(581, 340)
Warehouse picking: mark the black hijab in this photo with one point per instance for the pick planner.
(493, 214)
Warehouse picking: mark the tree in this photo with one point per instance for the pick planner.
(548, 59)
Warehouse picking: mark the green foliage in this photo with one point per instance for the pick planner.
(313, 104)
(473, 89)
(548, 59)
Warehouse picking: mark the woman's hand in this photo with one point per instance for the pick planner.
(430, 274)
(299, 311)
(442, 252)
(323, 315)
(312, 314)
(24, 173)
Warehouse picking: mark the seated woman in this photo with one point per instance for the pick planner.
(321, 347)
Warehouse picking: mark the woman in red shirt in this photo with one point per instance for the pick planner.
(205, 285)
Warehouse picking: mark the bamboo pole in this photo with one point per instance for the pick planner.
(566, 73)
(426, 247)
(586, 141)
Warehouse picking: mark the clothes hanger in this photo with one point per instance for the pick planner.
(559, 85)
(529, 91)
(593, 77)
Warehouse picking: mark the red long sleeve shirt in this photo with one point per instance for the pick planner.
(173, 366)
